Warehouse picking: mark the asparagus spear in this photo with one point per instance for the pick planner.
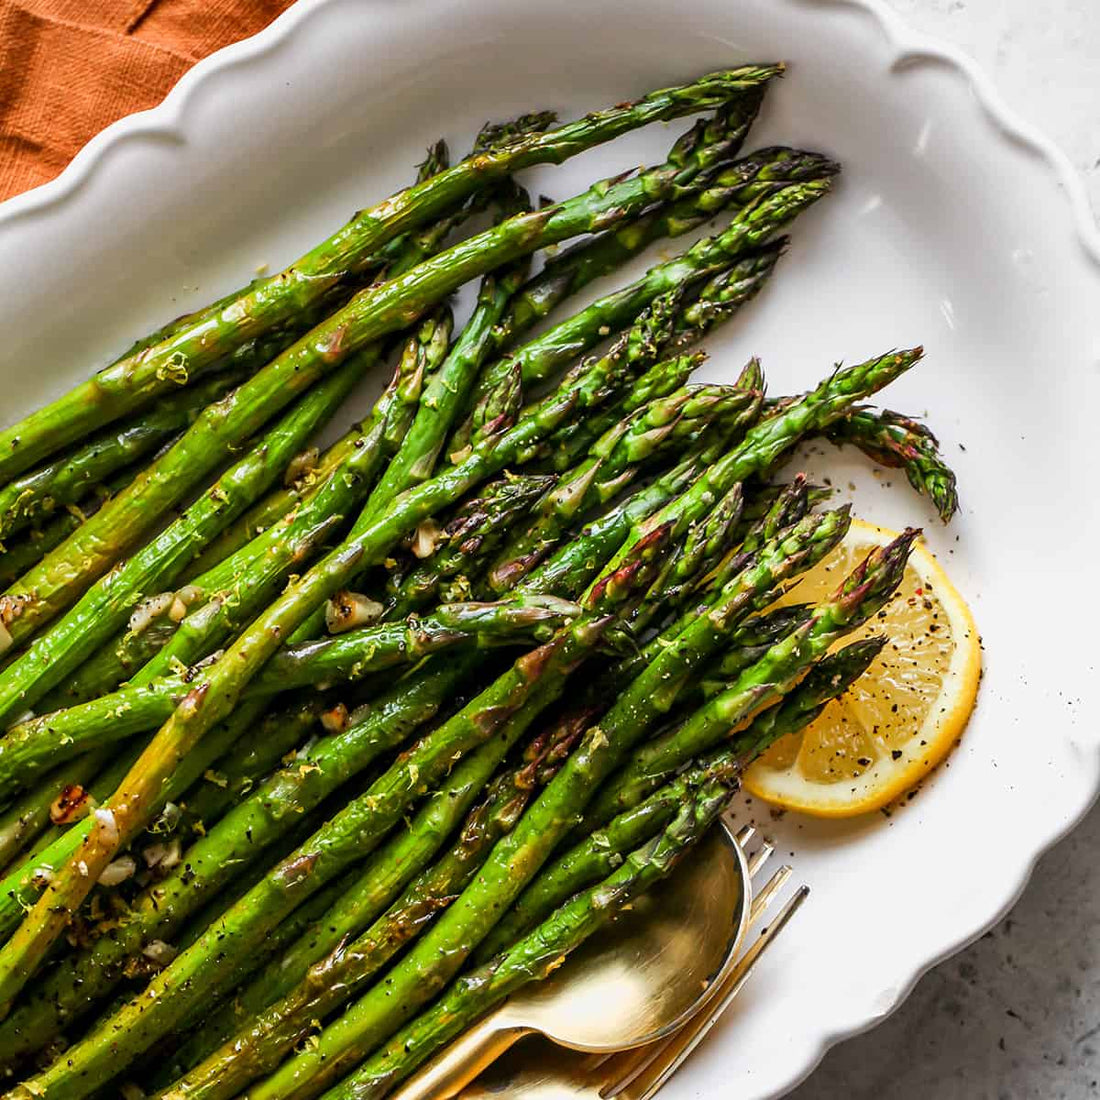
(614, 461)
(247, 831)
(370, 315)
(571, 442)
(216, 691)
(151, 626)
(766, 184)
(424, 352)
(437, 955)
(278, 734)
(746, 644)
(28, 816)
(568, 271)
(108, 602)
(252, 825)
(579, 560)
(20, 888)
(690, 160)
(367, 1022)
(402, 254)
(36, 542)
(425, 432)
(36, 495)
(467, 538)
(436, 160)
(38, 744)
(498, 716)
(592, 381)
(892, 439)
(119, 388)
(251, 575)
(350, 469)
(746, 279)
(383, 875)
(758, 452)
(293, 985)
(532, 959)
(769, 440)
(560, 278)
(637, 819)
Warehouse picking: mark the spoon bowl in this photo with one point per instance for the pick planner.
(653, 968)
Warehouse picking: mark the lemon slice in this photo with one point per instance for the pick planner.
(902, 716)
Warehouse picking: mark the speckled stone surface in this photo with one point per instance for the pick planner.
(1017, 1015)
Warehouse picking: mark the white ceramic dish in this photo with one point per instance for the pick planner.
(955, 226)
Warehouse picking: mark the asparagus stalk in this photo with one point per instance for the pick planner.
(614, 461)
(498, 716)
(571, 442)
(325, 970)
(437, 955)
(121, 387)
(690, 160)
(278, 734)
(768, 185)
(28, 816)
(425, 432)
(401, 255)
(898, 441)
(249, 830)
(107, 604)
(560, 278)
(532, 959)
(579, 560)
(589, 386)
(768, 441)
(468, 536)
(247, 1055)
(585, 209)
(36, 542)
(216, 691)
(436, 160)
(637, 819)
(762, 448)
(246, 831)
(36, 495)
(33, 747)
(369, 316)
(21, 887)
(569, 271)
(151, 626)
(423, 354)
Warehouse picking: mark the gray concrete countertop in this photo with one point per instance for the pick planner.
(1017, 1015)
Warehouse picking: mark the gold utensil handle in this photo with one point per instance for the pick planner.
(450, 1071)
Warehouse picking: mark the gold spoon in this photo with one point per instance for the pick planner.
(647, 973)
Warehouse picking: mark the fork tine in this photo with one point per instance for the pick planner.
(744, 835)
(763, 897)
(673, 1052)
(760, 857)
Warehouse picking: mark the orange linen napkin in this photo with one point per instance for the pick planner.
(68, 68)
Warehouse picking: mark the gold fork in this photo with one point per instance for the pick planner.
(540, 1071)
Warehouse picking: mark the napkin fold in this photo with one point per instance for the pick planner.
(68, 68)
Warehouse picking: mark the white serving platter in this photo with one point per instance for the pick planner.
(954, 226)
